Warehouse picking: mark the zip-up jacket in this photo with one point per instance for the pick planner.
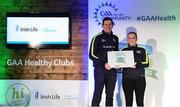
(100, 45)
(141, 60)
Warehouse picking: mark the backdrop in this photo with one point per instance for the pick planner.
(157, 25)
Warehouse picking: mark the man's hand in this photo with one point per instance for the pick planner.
(107, 66)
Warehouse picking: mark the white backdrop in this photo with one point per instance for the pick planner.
(157, 24)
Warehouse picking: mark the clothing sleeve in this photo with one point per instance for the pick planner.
(145, 60)
(93, 52)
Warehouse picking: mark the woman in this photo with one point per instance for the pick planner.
(134, 78)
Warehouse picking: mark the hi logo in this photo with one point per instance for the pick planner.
(18, 95)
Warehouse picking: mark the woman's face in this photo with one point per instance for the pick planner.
(107, 26)
(132, 39)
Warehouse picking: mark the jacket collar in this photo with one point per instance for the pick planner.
(111, 33)
(132, 46)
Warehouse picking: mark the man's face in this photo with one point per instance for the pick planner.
(107, 27)
(132, 40)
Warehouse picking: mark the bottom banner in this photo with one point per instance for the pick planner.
(44, 93)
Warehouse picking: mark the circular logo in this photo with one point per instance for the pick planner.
(18, 95)
(105, 10)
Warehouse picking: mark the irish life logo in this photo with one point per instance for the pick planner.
(25, 29)
(17, 28)
(18, 95)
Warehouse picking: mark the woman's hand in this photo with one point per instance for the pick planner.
(134, 65)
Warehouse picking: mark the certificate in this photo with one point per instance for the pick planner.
(122, 59)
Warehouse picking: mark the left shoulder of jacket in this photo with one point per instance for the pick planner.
(140, 50)
(115, 36)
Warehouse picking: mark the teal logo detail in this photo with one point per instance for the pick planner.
(120, 57)
(18, 95)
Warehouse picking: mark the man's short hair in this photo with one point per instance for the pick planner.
(107, 18)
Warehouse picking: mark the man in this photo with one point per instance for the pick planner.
(103, 73)
(134, 78)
